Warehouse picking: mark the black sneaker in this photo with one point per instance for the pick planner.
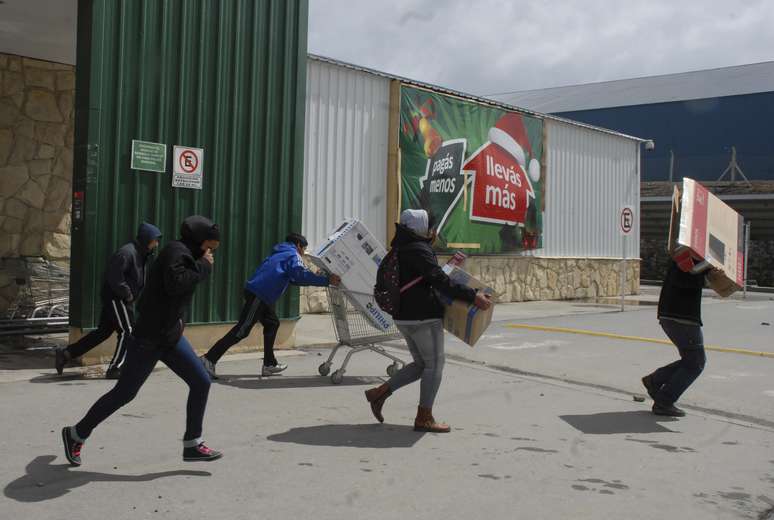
(669, 410)
(61, 360)
(200, 453)
(647, 382)
(209, 367)
(72, 447)
(113, 373)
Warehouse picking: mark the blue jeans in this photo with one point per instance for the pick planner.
(140, 360)
(675, 378)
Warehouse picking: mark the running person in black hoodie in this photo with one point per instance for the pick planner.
(420, 318)
(124, 280)
(158, 336)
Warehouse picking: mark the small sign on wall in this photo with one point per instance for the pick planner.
(626, 220)
(147, 156)
(188, 167)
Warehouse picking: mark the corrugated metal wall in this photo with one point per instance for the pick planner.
(590, 176)
(224, 75)
(345, 156)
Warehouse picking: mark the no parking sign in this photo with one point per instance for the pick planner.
(626, 220)
(188, 167)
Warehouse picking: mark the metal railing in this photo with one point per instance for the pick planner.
(42, 303)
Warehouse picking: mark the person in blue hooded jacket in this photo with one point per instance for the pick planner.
(270, 281)
(122, 285)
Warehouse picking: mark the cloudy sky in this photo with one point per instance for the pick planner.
(494, 46)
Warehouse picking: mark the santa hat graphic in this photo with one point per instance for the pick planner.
(510, 134)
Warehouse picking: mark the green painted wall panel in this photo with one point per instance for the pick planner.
(227, 76)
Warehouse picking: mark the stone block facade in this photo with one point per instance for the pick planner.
(524, 278)
(36, 161)
(760, 270)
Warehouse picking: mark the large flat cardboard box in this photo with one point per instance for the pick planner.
(465, 320)
(711, 231)
(354, 254)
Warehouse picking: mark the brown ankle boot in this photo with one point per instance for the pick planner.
(377, 396)
(426, 423)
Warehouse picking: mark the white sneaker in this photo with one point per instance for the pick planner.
(209, 367)
(271, 370)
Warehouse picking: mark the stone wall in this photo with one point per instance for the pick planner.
(36, 161)
(760, 269)
(761, 262)
(655, 259)
(525, 278)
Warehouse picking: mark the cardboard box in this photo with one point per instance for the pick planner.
(465, 320)
(711, 232)
(354, 254)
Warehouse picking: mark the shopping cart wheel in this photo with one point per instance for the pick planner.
(324, 369)
(337, 377)
(393, 369)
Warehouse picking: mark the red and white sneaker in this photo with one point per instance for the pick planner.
(200, 453)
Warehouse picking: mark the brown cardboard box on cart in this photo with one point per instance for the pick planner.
(465, 320)
(709, 231)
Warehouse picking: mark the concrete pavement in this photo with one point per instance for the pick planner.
(566, 441)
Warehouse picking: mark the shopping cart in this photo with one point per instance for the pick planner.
(354, 330)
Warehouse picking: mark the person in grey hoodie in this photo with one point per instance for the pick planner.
(122, 285)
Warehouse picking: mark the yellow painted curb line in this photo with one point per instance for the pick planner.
(714, 348)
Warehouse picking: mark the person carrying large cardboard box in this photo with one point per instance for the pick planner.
(705, 248)
(419, 314)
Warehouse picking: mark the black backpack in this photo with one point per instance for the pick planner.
(387, 288)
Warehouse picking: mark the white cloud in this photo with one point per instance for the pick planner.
(492, 46)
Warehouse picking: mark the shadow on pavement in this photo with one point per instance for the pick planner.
(16, 356)
(636, 421)
(53, 377)
(253, 382)
(352, 436)
(46, 481)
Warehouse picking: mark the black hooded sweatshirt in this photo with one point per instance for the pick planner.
(126, 271)
(417, 258)
(171, 283)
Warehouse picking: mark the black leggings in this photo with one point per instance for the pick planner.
(253, 311)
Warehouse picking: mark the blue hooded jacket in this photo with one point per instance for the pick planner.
(281, 268)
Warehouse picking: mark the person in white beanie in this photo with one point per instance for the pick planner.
(420, 317)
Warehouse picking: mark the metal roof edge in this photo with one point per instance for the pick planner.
(635, 78)
(751, 196)
(549, 95)
(471, 97)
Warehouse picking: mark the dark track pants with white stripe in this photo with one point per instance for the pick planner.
(253, 311)
(116, 316)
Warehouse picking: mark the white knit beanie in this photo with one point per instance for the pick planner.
(416, 220)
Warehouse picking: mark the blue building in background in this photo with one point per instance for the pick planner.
(694, 118)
